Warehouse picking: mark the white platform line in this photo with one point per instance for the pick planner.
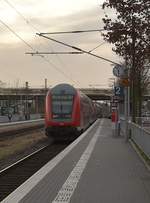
(65, 193)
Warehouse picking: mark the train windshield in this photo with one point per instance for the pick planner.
(62, 106)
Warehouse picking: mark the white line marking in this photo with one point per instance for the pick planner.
(65, 193)
(28, 185)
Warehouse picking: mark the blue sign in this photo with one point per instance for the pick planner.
(119, 91)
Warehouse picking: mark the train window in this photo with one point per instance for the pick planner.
(62, 106)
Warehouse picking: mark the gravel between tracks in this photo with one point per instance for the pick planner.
(16, 148)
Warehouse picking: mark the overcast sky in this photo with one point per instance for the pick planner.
(20, 20)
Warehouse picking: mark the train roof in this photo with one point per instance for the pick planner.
(63, 89)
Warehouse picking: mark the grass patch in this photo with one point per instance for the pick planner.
(18, 144)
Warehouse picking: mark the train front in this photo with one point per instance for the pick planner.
(62, 118)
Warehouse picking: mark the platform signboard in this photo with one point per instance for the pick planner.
(119, 91)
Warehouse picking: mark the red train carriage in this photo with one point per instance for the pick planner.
(68, 112)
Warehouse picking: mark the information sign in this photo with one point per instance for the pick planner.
(119, 91)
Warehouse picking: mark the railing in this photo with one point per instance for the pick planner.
(141, 137)
(140, 134)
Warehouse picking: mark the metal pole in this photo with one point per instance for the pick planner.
(129, 111)
(129, 89)
(26, 108)
(45, 83)
(126, 113)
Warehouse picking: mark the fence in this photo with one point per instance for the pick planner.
(139, 134)
(141, 137)
(17, 117)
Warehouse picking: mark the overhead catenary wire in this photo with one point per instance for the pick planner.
(27, 21)
(11, 30)
(75, 52)
(75, 31)
(33, 27)
(64, 32)
(27, 44)
(38, 52)
(19, 13)
(50, 63)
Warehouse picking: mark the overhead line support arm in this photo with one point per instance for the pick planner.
(79, 49)
(74, 32)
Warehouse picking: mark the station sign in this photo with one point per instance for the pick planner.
(119, 91)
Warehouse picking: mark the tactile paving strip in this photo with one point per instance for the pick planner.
(69, 186)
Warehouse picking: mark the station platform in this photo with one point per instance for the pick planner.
(96, 168)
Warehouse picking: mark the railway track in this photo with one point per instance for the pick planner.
(13, 176)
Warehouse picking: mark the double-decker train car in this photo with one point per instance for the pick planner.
(68, 112)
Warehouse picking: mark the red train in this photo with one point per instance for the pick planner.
(68, 112)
